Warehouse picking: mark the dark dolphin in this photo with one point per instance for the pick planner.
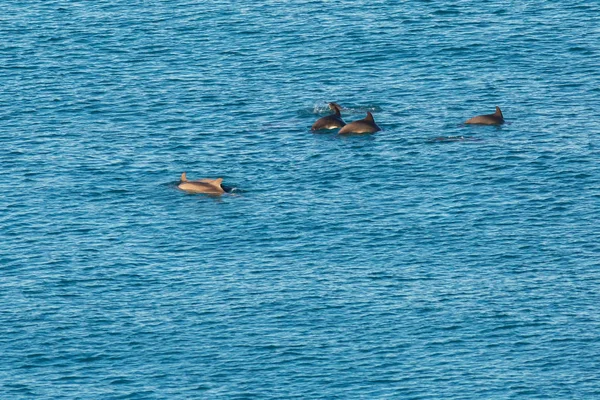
(489, 119)
(330, 121)
(366, 125)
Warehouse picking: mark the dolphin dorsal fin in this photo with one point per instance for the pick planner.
(369, 117)
(498, 112)
(335, 107)
(217, 182)
(183, 178)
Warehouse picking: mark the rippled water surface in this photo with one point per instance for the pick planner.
(430, 260)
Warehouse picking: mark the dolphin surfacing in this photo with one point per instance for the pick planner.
(330, 121)
(365, 125)
(207, 186)
(489, 119)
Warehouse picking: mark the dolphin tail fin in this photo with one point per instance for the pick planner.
(498, 112)
(369, 117)
(183, 178)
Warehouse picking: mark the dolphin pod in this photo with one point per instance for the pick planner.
(365, 125)
(330, 121)
(368, 125)
(207, 186)
(489, 119)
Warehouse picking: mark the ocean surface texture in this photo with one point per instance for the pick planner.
(431, 260)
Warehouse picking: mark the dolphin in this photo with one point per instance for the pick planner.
(489, 119)
(366, 125)
(208, 186)
(330, 121)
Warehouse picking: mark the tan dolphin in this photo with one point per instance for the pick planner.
(366, 125)
(330, 121)
(208, 186)
(489, 119)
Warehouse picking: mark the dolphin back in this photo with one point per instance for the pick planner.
(489, 119)
(207, 186)
(328, 122)
(365, 125)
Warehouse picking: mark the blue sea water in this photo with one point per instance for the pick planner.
(374, 266)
